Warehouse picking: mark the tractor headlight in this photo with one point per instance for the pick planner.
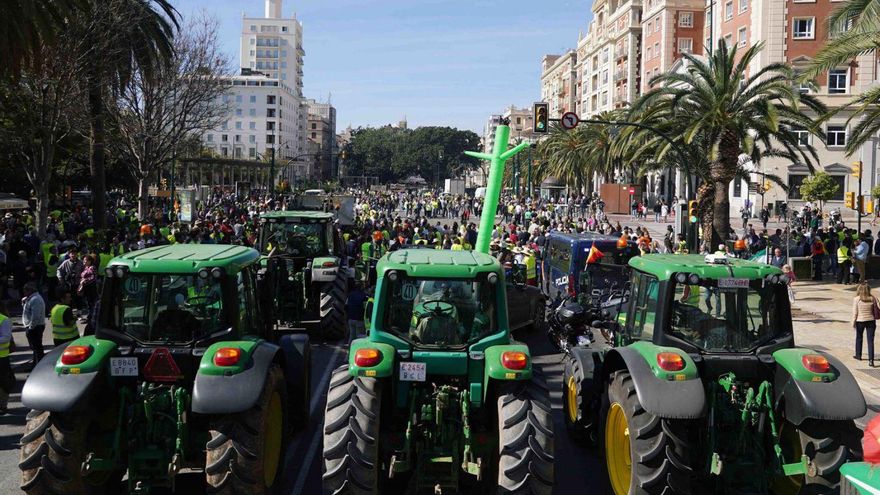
(681, 278)
(492, 278)
(204, 274)
(693, 279)
(392, 275)
(216, 272)
(120, 270)
(108, 272)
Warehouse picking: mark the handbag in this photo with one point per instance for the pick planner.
(875, 309)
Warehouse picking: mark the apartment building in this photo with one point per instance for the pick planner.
(670, 28)
(321, 130)
(559, 81)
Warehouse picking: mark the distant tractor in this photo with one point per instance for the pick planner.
(305, 260)
(705, 390)
(183, 373)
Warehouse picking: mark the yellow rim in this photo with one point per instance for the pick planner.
(571, 399)
(617, 450)
(790, 442)
(272, 442)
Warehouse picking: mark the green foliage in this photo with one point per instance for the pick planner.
(819, 187)
(875, 192)
(394, 154)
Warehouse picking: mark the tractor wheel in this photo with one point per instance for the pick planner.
(577, 419)
(333, 319)
(55, 446)
(351, 435)
(525, 436)
(644, 454)
(246, 449)
(539, 316)
(828, 444)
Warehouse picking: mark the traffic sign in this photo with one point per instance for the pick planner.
(632, 191)
(570, 120)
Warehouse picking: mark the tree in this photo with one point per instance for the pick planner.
(154, 115)
(565, 155)
(121, 37)
(819, 187)
(27, 26)
(730, 112)
(38, 112)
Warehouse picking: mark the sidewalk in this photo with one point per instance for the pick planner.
(821, 315)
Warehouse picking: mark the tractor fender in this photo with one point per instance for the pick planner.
(57, 387)
(672, 399)
(233, 392)
(815, 397)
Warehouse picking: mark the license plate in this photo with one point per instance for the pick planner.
(123, 366)
(733, 283)
(413, 372)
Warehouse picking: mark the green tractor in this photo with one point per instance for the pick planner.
(438, 398)
(303, 252)
(704, 390)
(182, 374)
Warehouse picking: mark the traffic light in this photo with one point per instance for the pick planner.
(767, 185)
(857, 170)
(692, 211)
(542, 118)
(849, 200)
(867, 206)
(344, 154)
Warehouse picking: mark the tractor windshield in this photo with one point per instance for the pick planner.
(305, 240)
(164, 307)
(728, 315)
(440, 312)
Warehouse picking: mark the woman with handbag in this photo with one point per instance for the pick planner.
(866, 312)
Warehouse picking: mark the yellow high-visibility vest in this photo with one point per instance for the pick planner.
(4, 347)
(60, 331)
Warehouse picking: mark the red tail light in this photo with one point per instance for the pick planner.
(161, 367)
(816, 363)
(76, 354)
(514, 360)
(670, 361)
(227, 356)
(366, 358)
(328, 264)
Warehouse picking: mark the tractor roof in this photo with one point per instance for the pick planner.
(663, 266)
(187, 258)
(296, 214)
(439, 263)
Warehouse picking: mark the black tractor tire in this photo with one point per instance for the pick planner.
(578, 420)
(829, 445)
(659, 454)
(242, 443)
(525, 435)
(53, 449)
(333, 318)
(538, 316)
(351, 435)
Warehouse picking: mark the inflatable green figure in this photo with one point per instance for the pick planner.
(499, 156)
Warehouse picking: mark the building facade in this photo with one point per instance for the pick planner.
(321, 130)
(559, 81)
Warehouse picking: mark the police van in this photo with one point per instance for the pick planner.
(565, 267)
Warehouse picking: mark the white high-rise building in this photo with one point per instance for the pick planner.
(266, 101)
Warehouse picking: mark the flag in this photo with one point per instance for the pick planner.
(595, 255)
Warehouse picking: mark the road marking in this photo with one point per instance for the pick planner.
(319, 428)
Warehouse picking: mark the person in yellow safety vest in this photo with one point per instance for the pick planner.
(63, 323)
(456, 244)
(466, 245)
(844, 263)
(691, 295)
(531, 267)
(103, 260)
(681, 247)
(7, 377)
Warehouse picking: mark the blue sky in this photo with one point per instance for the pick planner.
(437, 62)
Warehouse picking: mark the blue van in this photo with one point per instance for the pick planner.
(565, 261)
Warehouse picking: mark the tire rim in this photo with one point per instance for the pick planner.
(571, 399)
(617, 450)
(272, 441)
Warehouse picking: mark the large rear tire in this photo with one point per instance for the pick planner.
(644, 454)
(577, 419)
(525, 435)
(54, 447)
(246, 451)
(351, 435)
(333, 318)
(539, 316)
(828, 444)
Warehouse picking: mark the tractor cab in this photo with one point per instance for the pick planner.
(298, 234)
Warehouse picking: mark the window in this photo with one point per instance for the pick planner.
(238, 125)
(210, 138)
(802, 28)
(656, 50)
(604, 77)
(803, 136)
(743, 5)
(225, 126)
(238, 152)
(238, 112)
(270, 139)
(314, 135)
(685, 45)
(835, 135)
(686, 19)
(314, 125)
(649, 26)
(837, 83)
(283, 29)
(657, 26)
(737, 188)
(728, 10)
(252, 139)
(649, 53)
(741, 39)
(252, 152)
(270, 99)
(253, 28)
(252, 112)
(252, 126)
(639, 324)
(238, 98)
(805, 87)
(270, 113)
(253, 99)
(728, 40)
(270, 126)
(238, 138)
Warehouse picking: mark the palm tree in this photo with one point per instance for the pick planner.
(854, 30)
(26, 24)
(729, 112)
(566, 155)
(123, 36)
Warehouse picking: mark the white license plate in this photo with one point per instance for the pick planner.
(413, 372)
(123, 366)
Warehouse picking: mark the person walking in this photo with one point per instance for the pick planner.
(817, 253)
(864, 319)
(33, 317)
(860, 258)
(7, 377)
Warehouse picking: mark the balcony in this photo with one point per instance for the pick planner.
(620, 75)
(622, 54)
